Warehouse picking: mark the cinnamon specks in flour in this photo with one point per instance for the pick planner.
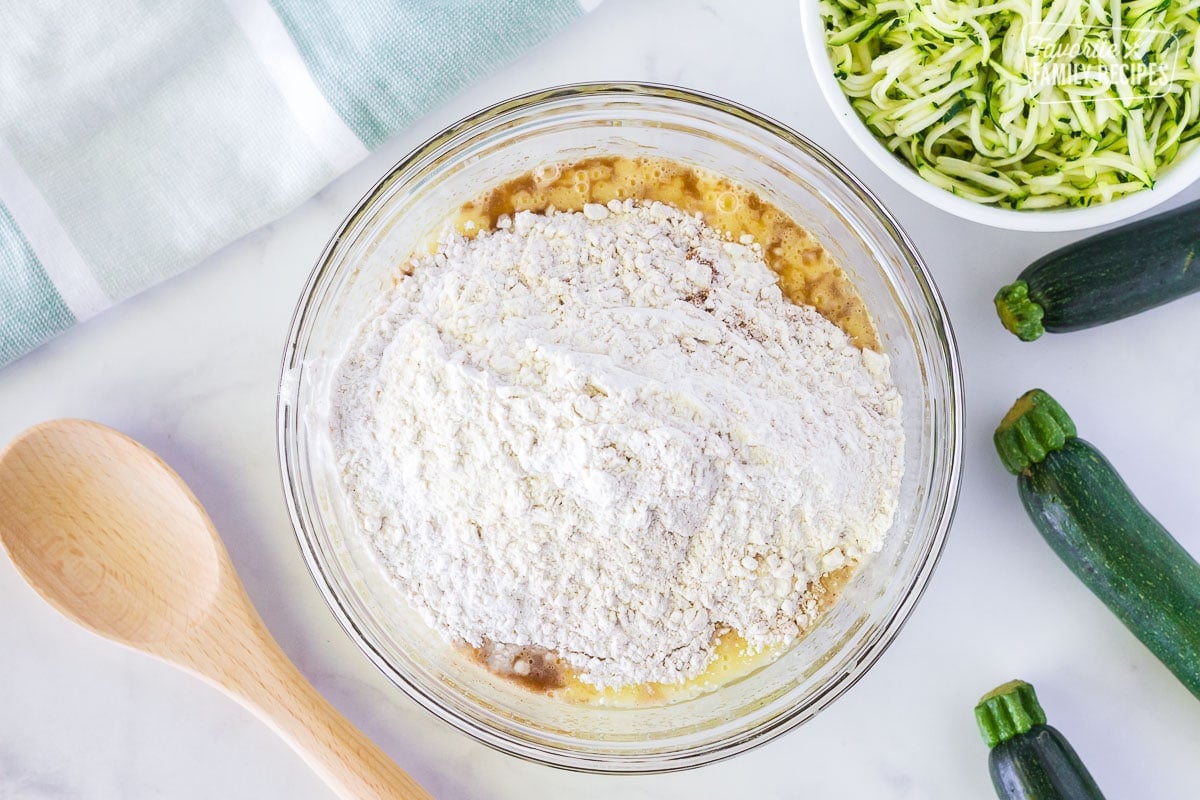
(609, 435)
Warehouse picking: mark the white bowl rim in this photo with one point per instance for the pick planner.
(1173, 180)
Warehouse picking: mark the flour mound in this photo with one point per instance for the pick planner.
(609, 435)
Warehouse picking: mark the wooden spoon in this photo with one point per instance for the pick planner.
(110, 536)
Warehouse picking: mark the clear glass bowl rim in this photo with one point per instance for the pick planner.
(289, 386)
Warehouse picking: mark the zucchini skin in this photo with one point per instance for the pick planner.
(1091, 519)
(1118, 273)
(1040, 765)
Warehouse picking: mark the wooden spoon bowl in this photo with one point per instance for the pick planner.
(110, 536)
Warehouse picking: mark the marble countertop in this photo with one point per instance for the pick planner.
(190, 368)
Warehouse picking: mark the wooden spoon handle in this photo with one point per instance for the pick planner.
(265, 680)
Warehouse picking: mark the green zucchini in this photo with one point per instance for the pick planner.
(1097, 527)
(1029, 760)
(1106, 277)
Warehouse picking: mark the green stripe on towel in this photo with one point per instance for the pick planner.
(138, 137)
(375, 64)
(30, 309)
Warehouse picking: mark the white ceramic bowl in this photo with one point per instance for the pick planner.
(1172, 180)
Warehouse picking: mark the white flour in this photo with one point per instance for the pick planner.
(609, 435)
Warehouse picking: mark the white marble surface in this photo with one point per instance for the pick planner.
(190, 369)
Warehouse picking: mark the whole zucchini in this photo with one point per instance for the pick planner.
(1029, 760)
(1106, 277)
(1098, 528)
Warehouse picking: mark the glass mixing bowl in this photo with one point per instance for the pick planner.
(573, 122)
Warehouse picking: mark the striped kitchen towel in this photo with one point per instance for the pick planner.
(139, 136)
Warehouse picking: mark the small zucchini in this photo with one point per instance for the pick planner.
(1106, 277)
(1092, 520)
(1029, 760)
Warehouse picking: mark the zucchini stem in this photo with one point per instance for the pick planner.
(1019, 313)
(1007, 711)
(1035, 426)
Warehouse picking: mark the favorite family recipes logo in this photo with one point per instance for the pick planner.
(1083, 60)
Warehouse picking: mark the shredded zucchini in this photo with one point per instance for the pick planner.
(1027, 104)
